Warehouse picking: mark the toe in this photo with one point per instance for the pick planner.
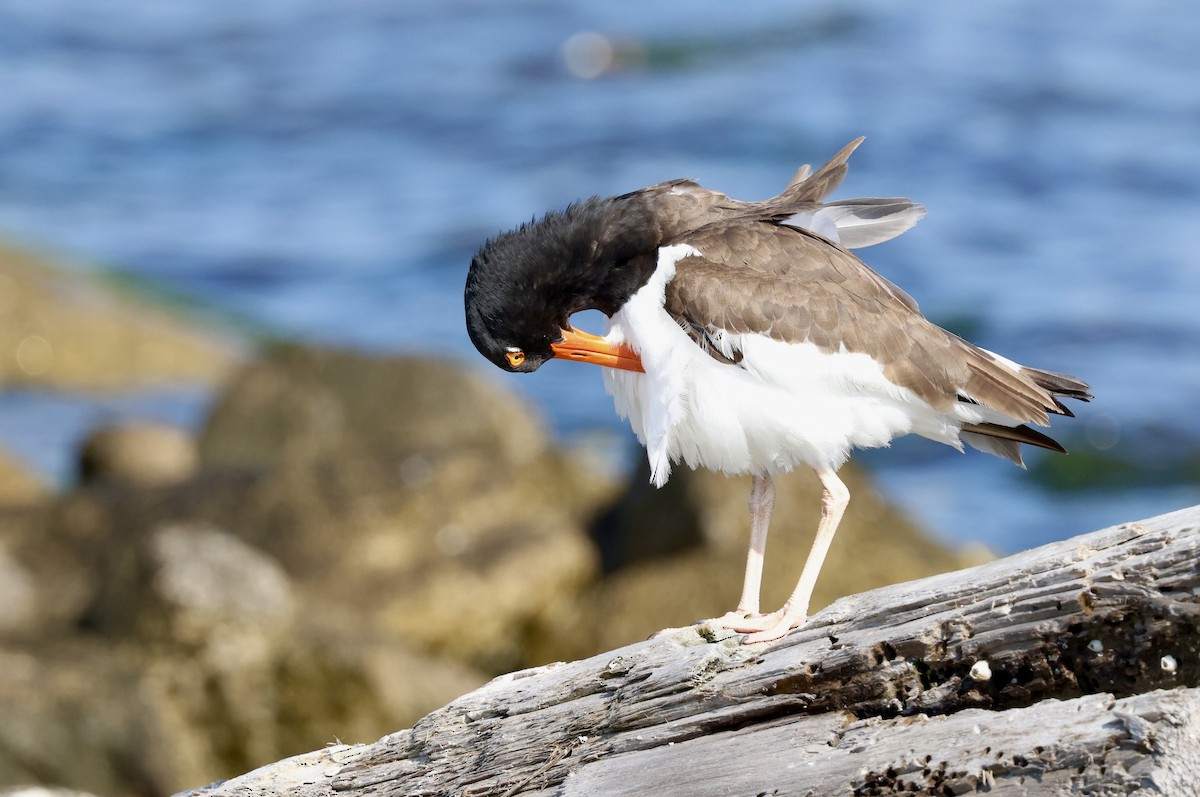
(773, 631)
(742, 622)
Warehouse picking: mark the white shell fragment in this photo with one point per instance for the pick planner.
(1168, 664)
(1096, 646)
(981, 671)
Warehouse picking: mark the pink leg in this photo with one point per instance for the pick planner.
(834, 499)
(762, 502)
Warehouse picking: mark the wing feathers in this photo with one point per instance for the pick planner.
(682, 206)
(815, 187)
(866, 222)
(781, 268)
(797, 287)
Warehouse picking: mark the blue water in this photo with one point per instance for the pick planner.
(327, 169)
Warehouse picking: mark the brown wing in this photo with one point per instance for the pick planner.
(798, 287)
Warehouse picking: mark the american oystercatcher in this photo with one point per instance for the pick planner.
(745, 337)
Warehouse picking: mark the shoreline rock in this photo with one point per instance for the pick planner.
(18, 485)
(68, 330)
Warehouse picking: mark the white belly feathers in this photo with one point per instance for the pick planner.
(783, 405)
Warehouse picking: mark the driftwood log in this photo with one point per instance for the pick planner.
(1072, 668)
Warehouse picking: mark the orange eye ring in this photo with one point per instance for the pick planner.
(515, 357)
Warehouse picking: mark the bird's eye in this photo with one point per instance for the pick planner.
(515, 357)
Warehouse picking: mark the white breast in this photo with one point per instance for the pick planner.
(783, 405)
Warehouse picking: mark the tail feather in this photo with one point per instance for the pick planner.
(1004, 390)
(1006, 449)
(1005, 440)
(1027, 395)
(1059, 384)
(1017, 434)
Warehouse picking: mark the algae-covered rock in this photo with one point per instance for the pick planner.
(447, 512)
(191, 660)
(300, 405)
(477, 559)
(63, 329)
(141, 453)
(42, 791)
(257, 609)
(18, 485)
(45, 583)
(82, 712)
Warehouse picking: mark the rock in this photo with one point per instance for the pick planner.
(477, 562)
(440, 495)
(245, 700)
(192, 584)
(196, 661)
(125, 719)
(67, 707)
(69, 330)
(215, 577)
(45, 585)
(259, 608)
(18, 596)
(18, 486)
(452, 555)
(41, 791)
(143, 454)
(299, 406)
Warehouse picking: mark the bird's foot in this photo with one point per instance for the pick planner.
(737, 621)
(742, 622)
(778, 625)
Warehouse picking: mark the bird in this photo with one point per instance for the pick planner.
(746, 337)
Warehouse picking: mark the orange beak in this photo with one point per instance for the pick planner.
(585, 347)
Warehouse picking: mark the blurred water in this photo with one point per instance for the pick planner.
(327, 170)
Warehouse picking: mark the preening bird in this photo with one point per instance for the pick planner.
(745, 337)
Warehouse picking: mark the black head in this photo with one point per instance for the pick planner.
(524, 285)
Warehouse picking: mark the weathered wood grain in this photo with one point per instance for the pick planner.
(1071, 668)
